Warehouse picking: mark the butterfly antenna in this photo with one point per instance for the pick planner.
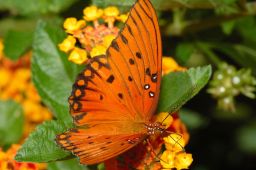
(152, 149)
(169, 114)
(176, 141)
(169, 132)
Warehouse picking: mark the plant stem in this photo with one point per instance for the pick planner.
(198, 25)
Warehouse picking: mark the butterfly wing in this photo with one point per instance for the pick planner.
(121, 88)
(93, 147)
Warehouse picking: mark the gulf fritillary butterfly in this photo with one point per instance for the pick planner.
(114, 98)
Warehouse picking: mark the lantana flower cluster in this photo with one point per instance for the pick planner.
(16, 84)
(157, 152)
(7, 161)
(92, 35)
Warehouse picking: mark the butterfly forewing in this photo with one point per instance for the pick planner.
(115, 95)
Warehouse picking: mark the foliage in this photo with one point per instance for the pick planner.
(195, 32)
(11, 122)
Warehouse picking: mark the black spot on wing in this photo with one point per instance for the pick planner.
(138, 54)
(131, 61)
(124, 39)
(110, 79)
(115, 46)
(120, 95)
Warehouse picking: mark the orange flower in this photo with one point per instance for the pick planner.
(179, 127)
(170, 65)
(16, 84)
(7, 161)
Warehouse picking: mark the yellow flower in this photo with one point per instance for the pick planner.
(31, 93)
(108, 39)
(174, 142)
(1, 48)
(111, 11)
(170, 65)
(71, 25)
(92, 13)
(167, 159)
(5, 77)
(78, 56)
(165, 119)
(183, 160)
(98, 50)
(180, 127)
(67, 44)
(122, 17)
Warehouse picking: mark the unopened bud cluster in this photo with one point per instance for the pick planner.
(228, 82)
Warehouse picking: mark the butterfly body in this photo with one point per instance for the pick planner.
(115, 96)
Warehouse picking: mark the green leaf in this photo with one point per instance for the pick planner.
(17, 24)
(228, 27)
(52, 74)
(246, 137)
(179, 87)
(243, 55)
(184, 51)
(246, 27)
(67, 165)
(17, 43)
(192, 119)
(160, 4)
(30, 8)
(11, 122)
(40, 146)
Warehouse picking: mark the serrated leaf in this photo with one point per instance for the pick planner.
(40, 146)
(17, 43)
(179, 87)
(67, 165)
(52, 74)
(11, 122)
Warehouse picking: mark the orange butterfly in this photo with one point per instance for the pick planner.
(114, 98)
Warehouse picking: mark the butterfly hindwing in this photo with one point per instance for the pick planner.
(91, 146)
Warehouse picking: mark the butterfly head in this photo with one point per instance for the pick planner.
(155, 128)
